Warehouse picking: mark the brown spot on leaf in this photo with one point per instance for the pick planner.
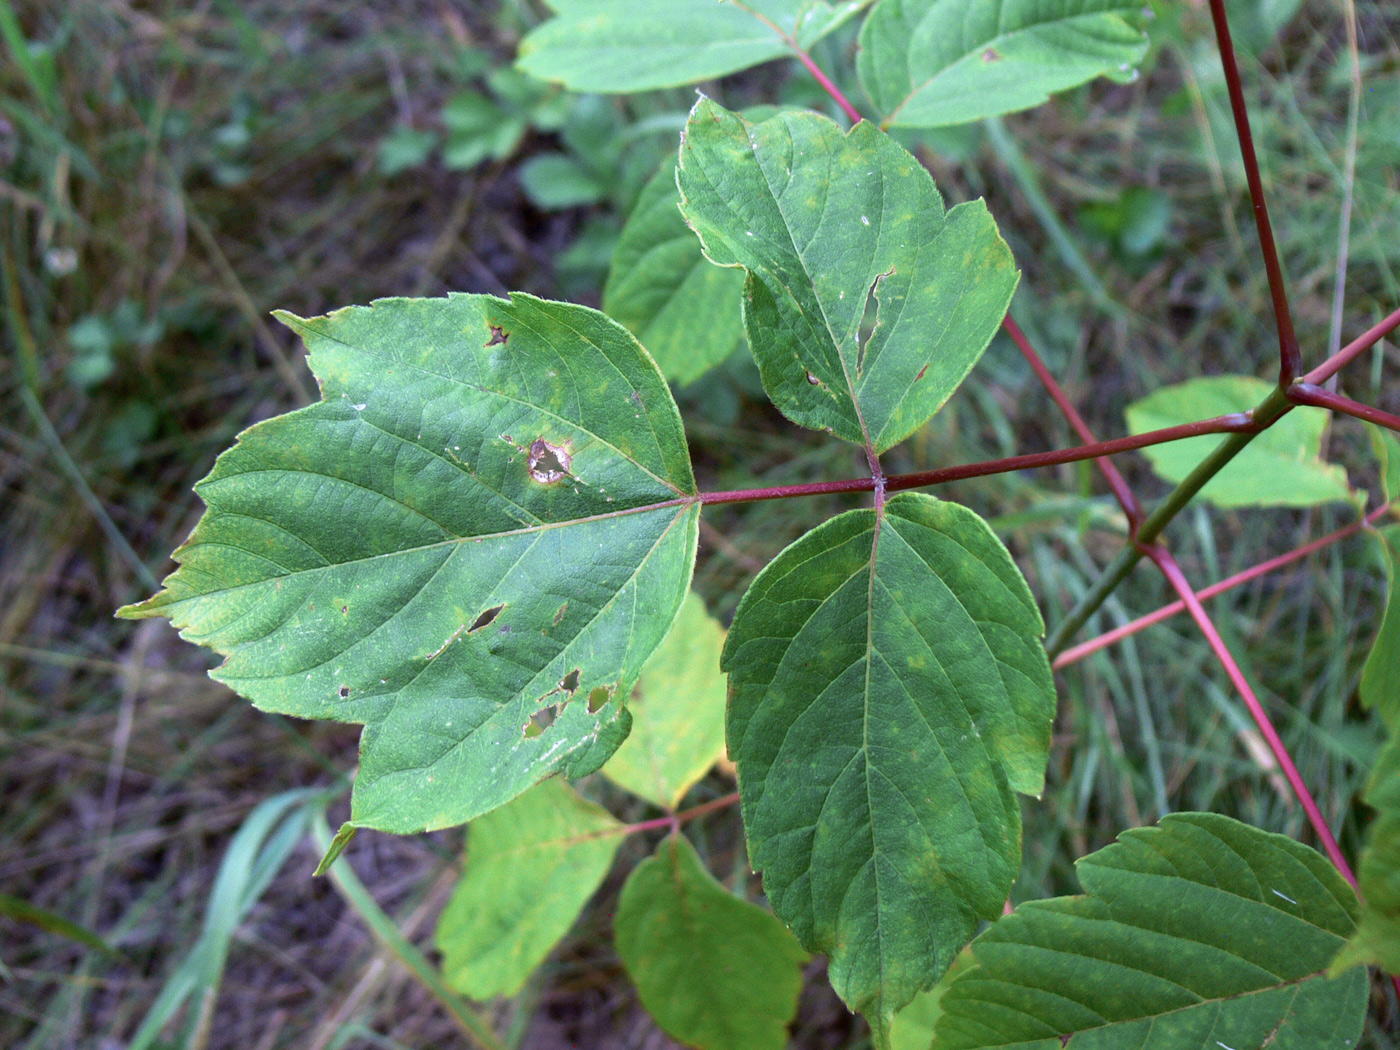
(498, 336)
(560, 614)
(549, 463)
(344, 609)
(487, 615)
(921, 373)
(991, 55)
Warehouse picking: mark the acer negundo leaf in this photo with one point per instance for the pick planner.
(888, 696)
(829, 223)
(1197, 934)
(471, 544)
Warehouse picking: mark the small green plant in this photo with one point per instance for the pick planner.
(479, 543)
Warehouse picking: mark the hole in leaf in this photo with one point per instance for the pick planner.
(540, 721)
(870, 320)
(597, 698)
(991, 55)
(569, 683)
(344, 691)
(549, 463)
(498, 336)
(344, 609)
(813, 379)
(486, 617)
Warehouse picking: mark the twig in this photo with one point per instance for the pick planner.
(1353, 349)
(1131, 507)
(1290, 359)
(1316, 396)
(1238, 423)
(1172, 571)
(1093, 645)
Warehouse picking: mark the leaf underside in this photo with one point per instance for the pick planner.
(717, 972)
(929, 63)
(683, 308)
(1282, 467)
(618, 46)
(888, 694)
(470, 545)
(531, 867)
(826, 223)
(1198, 934)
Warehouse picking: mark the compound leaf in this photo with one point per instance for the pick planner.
(888, 692)
(617, 46)
(1377, 938)
(826, 223)
(677, 712)
(530, 868)
(928, 63)
(1197, 934)
(683, 308)
(717, 972)
(487, 522)
(1282, 467)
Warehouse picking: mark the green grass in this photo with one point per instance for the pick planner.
(168, 175)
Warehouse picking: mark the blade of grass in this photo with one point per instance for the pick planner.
(353, 891)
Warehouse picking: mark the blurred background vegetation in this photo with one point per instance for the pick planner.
(172, 171)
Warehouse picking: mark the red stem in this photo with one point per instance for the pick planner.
(1307, 394)
(1093, 645)
(1290, 360)
(825, 81)
(1360, 345)
(1234, 423)
(1172, 571)
(675, 820)
(1131, 507)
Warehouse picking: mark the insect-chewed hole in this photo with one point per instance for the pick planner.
(597, 698)
(540, 721)
(548, 463)
(343, 692)
(498, 336)
(569, 682)
(487, 615)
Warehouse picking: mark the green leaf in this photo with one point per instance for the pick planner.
(683, 309)
(1377, 938)
(1198, 934)
(487, 521)
(828, 223)
(1387, 449)
(478, 129)
(927, 63)
(553, 181)
(403, 148)
(531, 867)
(717, 972)
(912, 1028)
(888, 691)
(617, 46)
(677, 712)
(1282, 467)
(1380, 678)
